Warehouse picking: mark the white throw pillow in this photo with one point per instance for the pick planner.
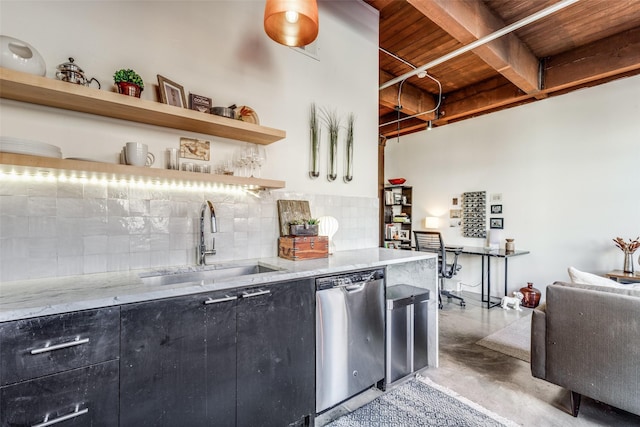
(578, 276)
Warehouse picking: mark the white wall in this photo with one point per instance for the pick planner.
(567, 168)
(214, 48)
(217, 49)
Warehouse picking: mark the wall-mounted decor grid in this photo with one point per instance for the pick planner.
(473, 214)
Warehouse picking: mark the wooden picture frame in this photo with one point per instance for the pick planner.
(171, 93)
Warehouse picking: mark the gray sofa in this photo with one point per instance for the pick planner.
(587, 340)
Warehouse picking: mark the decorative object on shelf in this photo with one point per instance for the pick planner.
(171, 92)
(304, 227)
(628, 248)
(136, 154)
(291, 22)
(291, 210)
(171, 158)
(332, 121)
(199, 103)
(297, 248)
(510, 246)
(128, 82)
(473, 214)
(247, 114)
(348, 176)
(228, 112)
(397, 181)
(314, 133)
(70, 72)
(198, 149)
(530, 296)
(21, 56)
(328, 226)
(13, 145)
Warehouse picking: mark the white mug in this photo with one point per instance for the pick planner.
(137, 154)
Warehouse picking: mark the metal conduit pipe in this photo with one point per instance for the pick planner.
(484, 40)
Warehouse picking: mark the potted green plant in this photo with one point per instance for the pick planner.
(128, 82)
(304, 227)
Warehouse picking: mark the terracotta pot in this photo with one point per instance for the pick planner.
(130, 89)
(531, 297)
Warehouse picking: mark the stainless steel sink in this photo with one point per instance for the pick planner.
(206, 276)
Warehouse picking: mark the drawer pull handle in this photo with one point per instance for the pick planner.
(74, 414)
(77, 341)
(255, 294)
(225, 299)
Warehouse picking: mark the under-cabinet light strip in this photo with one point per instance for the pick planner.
(74, 178)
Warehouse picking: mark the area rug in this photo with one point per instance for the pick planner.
(420, 402)
(514, 340)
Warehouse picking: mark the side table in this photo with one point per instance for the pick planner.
(622, 277)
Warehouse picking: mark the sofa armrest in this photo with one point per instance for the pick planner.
(538, 341)
(592, 344)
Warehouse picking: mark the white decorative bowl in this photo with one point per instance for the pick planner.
(21, 56)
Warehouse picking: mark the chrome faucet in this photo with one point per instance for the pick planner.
(201, 250)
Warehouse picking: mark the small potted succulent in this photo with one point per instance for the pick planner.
(128, 82)
(304, 227)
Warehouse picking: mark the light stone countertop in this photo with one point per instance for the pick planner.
(39, 297)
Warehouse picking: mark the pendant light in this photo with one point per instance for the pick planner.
(291, 22)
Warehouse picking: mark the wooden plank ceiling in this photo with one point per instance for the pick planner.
(585, 44)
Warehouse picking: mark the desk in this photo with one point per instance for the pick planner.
(488, 254)
(622, 277)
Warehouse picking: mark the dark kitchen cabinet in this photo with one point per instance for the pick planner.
(60, 369)
(81, 397)
(276, 355)
(204, 360)
(178, 362)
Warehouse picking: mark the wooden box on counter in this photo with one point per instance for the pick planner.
(303, 247)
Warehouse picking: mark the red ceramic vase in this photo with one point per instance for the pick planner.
(531, 296)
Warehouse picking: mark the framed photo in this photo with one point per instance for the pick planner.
(496, 223)
(404, 235)
(455, 213)
(171, 92)
(496, 209)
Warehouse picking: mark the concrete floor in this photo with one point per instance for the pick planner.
(498, 382)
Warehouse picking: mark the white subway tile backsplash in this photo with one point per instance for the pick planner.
(67, 207)
(42, 226)
(13, 205)
(70, 265)
(49, 229)
(97, 244)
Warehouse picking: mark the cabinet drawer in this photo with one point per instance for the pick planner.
(83, 397)
(45, 345)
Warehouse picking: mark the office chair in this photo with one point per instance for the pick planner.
(431, 241)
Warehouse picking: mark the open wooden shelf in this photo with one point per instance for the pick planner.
(35, 165)
(56, 93)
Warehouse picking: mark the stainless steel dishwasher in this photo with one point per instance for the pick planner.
(349, 335)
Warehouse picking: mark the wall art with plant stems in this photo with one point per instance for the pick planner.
(348, 167)
(314, 133)
(332, 121)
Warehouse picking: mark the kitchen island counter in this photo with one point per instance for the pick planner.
(39, 297)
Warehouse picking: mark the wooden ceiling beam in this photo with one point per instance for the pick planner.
(484, 96)
(413, 99)
(468, 21)
(406, 126)
(601, 59)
